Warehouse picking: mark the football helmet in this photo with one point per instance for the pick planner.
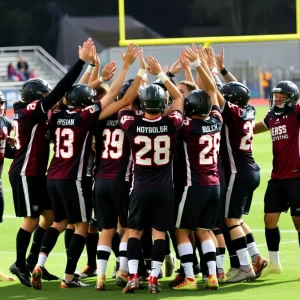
(80, 96)
(286, 88)
(33, 89)
(153, 99)
(236, 93)
(197, 103)
(3, 106)
(124, 89)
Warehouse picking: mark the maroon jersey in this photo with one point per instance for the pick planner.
(236, 138)
(201, 141)
(285, 133)
(72, 133)
(152, 144)
(113, 158)
(32, 139)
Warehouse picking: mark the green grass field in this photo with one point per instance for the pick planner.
(283, 286)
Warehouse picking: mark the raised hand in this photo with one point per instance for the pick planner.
(220, 60)
(154, 67)
(191, 53)
(176, 67)
(185, 63)
(131, 54)
(142, 60)
(203, 56)
(85, 49)
(109, 71)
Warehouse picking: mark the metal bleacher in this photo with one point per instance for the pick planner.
(41, 61)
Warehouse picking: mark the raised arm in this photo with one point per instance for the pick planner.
(220, 60)
(128, 59)
(85, 78)
(68, 80)
(129, 96)
(154, 68)
(107, 73)
(96, 67)
(186, 66)
(199, 60)
(260, 127)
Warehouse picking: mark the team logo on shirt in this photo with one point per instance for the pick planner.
(279, 133)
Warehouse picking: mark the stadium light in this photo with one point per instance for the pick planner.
(205, 40)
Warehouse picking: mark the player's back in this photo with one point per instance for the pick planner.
(113, 150)
(71, 131)
(237, 138)
(201, 139)
(152, 144)
(32, 139)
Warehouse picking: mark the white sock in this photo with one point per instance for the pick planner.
(252, 249)
(243, 256)
(102, 263)
(133, 265)
(42, 260)
(274, 257)
(156, 266)
(186, 249)
(123, 259)
(209, 246)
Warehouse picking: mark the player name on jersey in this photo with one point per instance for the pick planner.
(66, 122)
(210, 128)
(112, 123)
(158, 129)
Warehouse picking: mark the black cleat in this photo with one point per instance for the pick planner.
(21, 273)
(47, 276)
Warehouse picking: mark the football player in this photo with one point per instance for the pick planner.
(113, 163)
(152, 139)
(284, 186)
(201, 137)
(241, 174)
(70, 190)
(27, 172)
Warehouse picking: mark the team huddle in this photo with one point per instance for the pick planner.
(147, 165)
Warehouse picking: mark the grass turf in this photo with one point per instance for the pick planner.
(283, 286)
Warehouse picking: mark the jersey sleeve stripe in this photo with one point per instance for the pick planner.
(264, 123)
(42, 108)
(28, 152)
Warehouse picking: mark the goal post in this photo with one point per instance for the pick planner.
(204, 40)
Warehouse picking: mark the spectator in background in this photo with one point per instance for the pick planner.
(11, 73)
(32, 74)
(22, 64)
(266, 83)
(22, 74)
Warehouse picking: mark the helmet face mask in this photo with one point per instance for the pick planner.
(197, 103)
(284, 96)
(153, 99)
(80, 96)
(236, 93)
